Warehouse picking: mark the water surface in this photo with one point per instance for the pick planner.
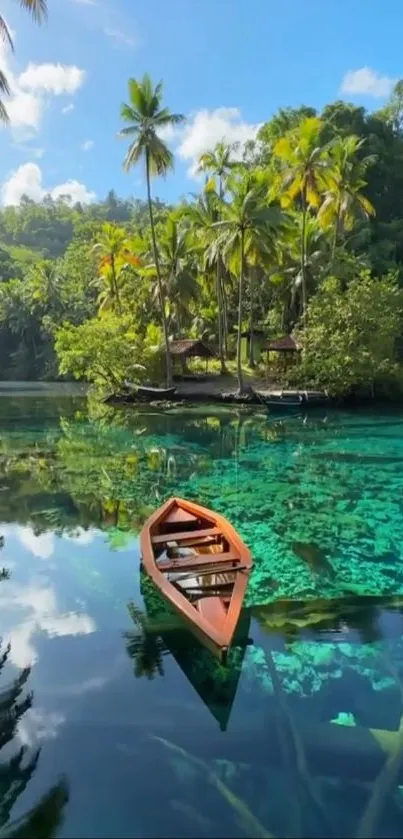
(114, 722)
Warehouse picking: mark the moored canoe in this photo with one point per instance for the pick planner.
(201, 566)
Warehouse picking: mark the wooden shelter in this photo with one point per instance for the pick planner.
(185, 348)
(286, 346)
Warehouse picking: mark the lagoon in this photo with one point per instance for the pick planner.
(130, 728)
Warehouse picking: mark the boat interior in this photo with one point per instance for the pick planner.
(198, 560)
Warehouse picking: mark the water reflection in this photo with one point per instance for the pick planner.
(300, 734)
(160, 632)
(45, 818)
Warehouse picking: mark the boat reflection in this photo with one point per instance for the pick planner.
(160, 632)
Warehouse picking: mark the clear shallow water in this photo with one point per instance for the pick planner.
(130, 728)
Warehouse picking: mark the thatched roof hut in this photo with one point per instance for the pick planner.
(191, 348)
(285, 344)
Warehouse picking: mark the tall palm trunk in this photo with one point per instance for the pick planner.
(336, 231)
(223, 368)
(240, 308)
(251, 316)
(159, 278)
(224, 315)
(303, 255)
(115, 284)
(220, 302)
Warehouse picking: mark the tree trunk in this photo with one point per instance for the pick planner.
(251, 318)
(240, 307)
(221, 353)
(225, 314)
(220, 303)
(159, 280)
(115, 284)
(336, 233)
(303, 273)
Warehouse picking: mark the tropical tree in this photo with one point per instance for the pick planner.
(219, 162)
(145, 117)
(177, 266)
(247, 220)
(343, 198)
(114, 252)
(304, 162)
(203, 215)
(287, 277)
(38, 9)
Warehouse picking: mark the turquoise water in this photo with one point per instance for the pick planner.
(114, 722)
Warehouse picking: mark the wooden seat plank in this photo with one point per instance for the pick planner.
(185, 536)
(201, 560)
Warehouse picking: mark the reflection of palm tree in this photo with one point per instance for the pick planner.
(43, 820)
(145, 648)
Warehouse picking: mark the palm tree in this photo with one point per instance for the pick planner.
(177, 271)
(247, 221)
(288, 276)
(114, 252)
(39, 10)
(203, 215)
(304, 162)
(219, 162)
(145, 117)
(343, 199)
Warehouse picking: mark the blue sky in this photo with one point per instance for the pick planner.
(226, 64)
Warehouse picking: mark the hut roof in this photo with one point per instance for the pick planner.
(191, 348)
(285, 344)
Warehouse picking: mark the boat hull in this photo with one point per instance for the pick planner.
(214, 618)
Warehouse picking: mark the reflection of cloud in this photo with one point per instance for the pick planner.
(80, 536)
(94, 683)
(41, 614)
(38, 724)
(42, 545)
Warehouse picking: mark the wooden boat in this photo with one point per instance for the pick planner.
(294, 399)
(201, 566)
(151, 394)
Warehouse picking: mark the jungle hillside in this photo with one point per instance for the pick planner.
(298, 232)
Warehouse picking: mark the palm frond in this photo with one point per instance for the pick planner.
(38, 9)
(4, 117)
(137, 97)
(161, 158)
(130, 114)
(5, 34)
(134, 154)
(129, 131)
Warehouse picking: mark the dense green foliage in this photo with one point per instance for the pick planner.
(302, 230)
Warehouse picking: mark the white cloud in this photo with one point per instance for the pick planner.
(52, 78)
(120, 37)
(40, 613)
(30, 91)
(367, 82)
(206, 128)
(24, 109)
(37, 724)
(27, 180)
(41, 546)
(88, 145)
(77, 191)
(68, 109)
